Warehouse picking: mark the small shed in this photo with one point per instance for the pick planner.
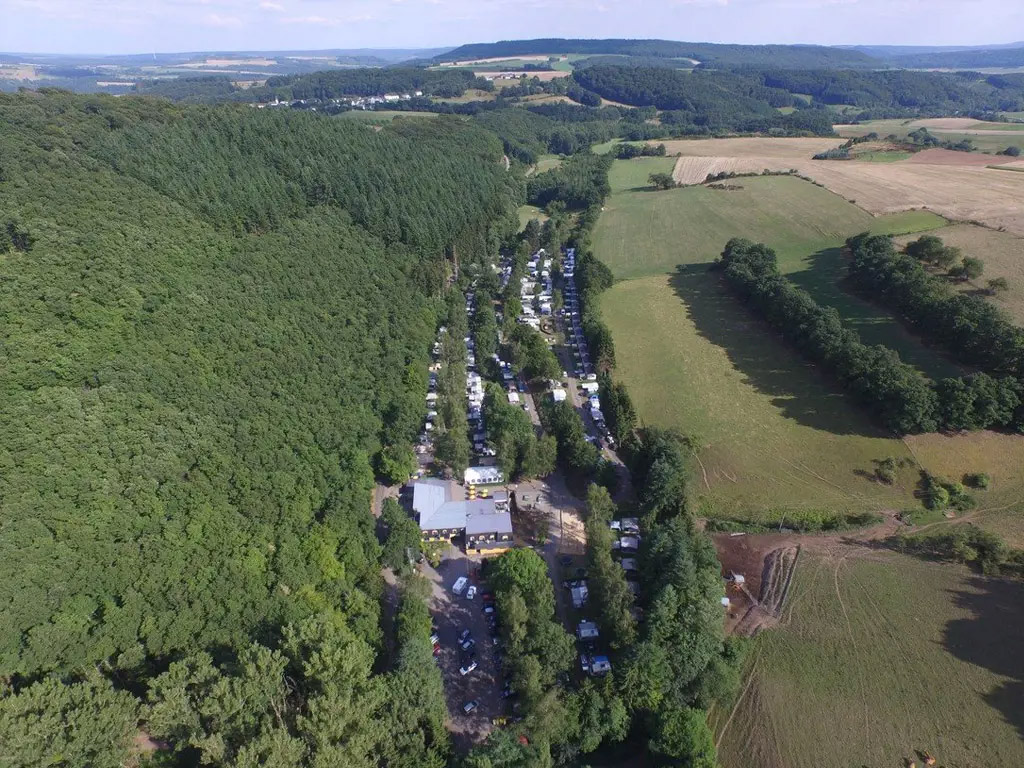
(587, 630)
(558, 395)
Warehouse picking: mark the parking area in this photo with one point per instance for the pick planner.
(452, 614)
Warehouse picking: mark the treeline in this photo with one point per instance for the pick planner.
(520, 453)
(581, 181)
(368, 81)
(720, 55)
(899, 397)
(452, 450)
(747, 100)
(907, 92)
(967, 327)
(195, 390)
(705, 101)
(556, 722)
(681, 663)
(629, 151)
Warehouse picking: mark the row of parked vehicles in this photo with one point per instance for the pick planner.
(467, 644)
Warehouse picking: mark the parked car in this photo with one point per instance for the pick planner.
(468, 643)
(460, 585)
(434, 638)
(437, 649)
(507, 691)
(464, 634)
(469, 706)
(468, 668)
(584, 662)
(471, 592)
(489, 609)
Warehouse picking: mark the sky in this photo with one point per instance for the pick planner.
(144, 26)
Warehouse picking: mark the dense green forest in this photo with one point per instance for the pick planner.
(709, 53)
(214, 320)
(722, 98)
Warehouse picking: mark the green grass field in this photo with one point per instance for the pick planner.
(645, 232)
(775, 433)
(527, 212)
(878, 658)
(627, 175)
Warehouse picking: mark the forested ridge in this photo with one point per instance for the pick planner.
(213, 320)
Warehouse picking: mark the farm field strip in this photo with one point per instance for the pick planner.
(959, 193)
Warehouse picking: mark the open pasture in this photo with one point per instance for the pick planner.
(773, 433)
(963, 193)
(880, 656)
(1003, 254)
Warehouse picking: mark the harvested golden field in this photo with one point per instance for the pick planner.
(694, 170)
(950, 157)
(962, 193)
(1003, 254)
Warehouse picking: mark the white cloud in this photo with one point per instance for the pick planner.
(219, 20)
(268, 6)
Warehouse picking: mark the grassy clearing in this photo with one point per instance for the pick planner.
(547, 162)
(631, 175)
(1003, 254)
(527, 212)
(880, 658)
(604, 147)
(773, 433)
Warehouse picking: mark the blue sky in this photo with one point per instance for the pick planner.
(140, 26)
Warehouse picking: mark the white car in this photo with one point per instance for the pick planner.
(471, 592)
(460, 585)
(468, 668)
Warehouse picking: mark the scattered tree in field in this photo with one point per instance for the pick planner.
(969, 269)
(885, 470)
(931, 250)
(661, 180)
(1012, 151)
(997, 285)
(978, 480)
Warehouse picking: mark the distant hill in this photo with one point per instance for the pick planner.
(948, 56)
(785, 56)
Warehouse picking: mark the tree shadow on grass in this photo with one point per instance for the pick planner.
(993, 639)
(795, 385)
(824, 279)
